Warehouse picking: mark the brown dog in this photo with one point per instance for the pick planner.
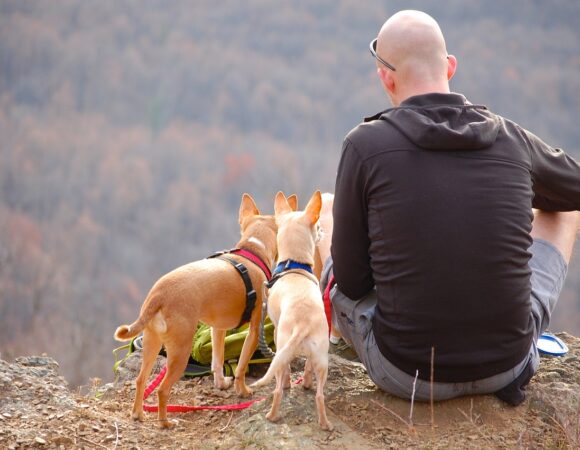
(295, 306)
(212, 291)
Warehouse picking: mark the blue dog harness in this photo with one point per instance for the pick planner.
(284, 266)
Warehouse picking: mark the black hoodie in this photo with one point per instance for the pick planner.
(433, 208)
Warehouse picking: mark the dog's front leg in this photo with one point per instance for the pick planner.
(217, 359)
(248, 350)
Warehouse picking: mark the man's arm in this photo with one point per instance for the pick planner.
(350, 241)
(555, 176)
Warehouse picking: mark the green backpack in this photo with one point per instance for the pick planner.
(199, 363)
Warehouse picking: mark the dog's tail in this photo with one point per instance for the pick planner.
(128, 332)
(283, 356)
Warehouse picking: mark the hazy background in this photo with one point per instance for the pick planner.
(130, 129)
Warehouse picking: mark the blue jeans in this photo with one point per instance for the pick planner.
(354, 320)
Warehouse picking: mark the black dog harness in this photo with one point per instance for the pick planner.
(243, 271)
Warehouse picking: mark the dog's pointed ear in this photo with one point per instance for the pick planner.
(281, 205)
(312, 210)
(293, 202)
(248, 207)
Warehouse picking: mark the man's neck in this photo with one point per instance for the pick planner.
(404, 94)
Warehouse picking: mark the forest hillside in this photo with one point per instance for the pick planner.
(129, 131)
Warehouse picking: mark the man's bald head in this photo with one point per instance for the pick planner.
(412, 40)
(413, 43)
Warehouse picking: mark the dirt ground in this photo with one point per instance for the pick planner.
(37, 410)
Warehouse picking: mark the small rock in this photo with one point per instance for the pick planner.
(110, 438)
(39, 440)
(62, 440)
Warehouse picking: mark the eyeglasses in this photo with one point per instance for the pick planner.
(373, 49)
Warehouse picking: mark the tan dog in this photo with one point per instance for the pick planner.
(212, 291)
(323, 246)
(325, 223)
(295, 306)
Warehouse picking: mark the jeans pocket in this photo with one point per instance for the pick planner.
(364, 312)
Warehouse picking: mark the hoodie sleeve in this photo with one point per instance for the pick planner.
(350, 241)
(555, 177)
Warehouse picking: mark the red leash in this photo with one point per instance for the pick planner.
(184, 408)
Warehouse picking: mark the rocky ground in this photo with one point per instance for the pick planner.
(37, 410)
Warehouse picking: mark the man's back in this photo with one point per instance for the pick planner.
(446, 189)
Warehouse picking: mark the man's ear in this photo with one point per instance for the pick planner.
(281, 205)
(293, 202)
(451, 66)
(312, 210)
(248, 207)
(387, 80)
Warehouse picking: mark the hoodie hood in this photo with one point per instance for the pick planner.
(444, 122)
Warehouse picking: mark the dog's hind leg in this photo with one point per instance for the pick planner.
(287, 371)
(321, 371)
(274, 413)
(151, 346)
(307, 378)
(217, 359)
(286, 379)
(178, 351)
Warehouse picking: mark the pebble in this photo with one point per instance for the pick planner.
(40, 441)
(110, 438)
(63, 440)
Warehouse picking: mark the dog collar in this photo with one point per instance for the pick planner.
(255, 259)
(291, 264)
(249, 256)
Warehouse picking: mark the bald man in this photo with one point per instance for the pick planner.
(435, 249)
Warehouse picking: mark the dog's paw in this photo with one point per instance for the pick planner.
(167, 424)
(326, 425)
(273, 417)
(137, 416)
(223, 383)
(334, 339)
(243, 390)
